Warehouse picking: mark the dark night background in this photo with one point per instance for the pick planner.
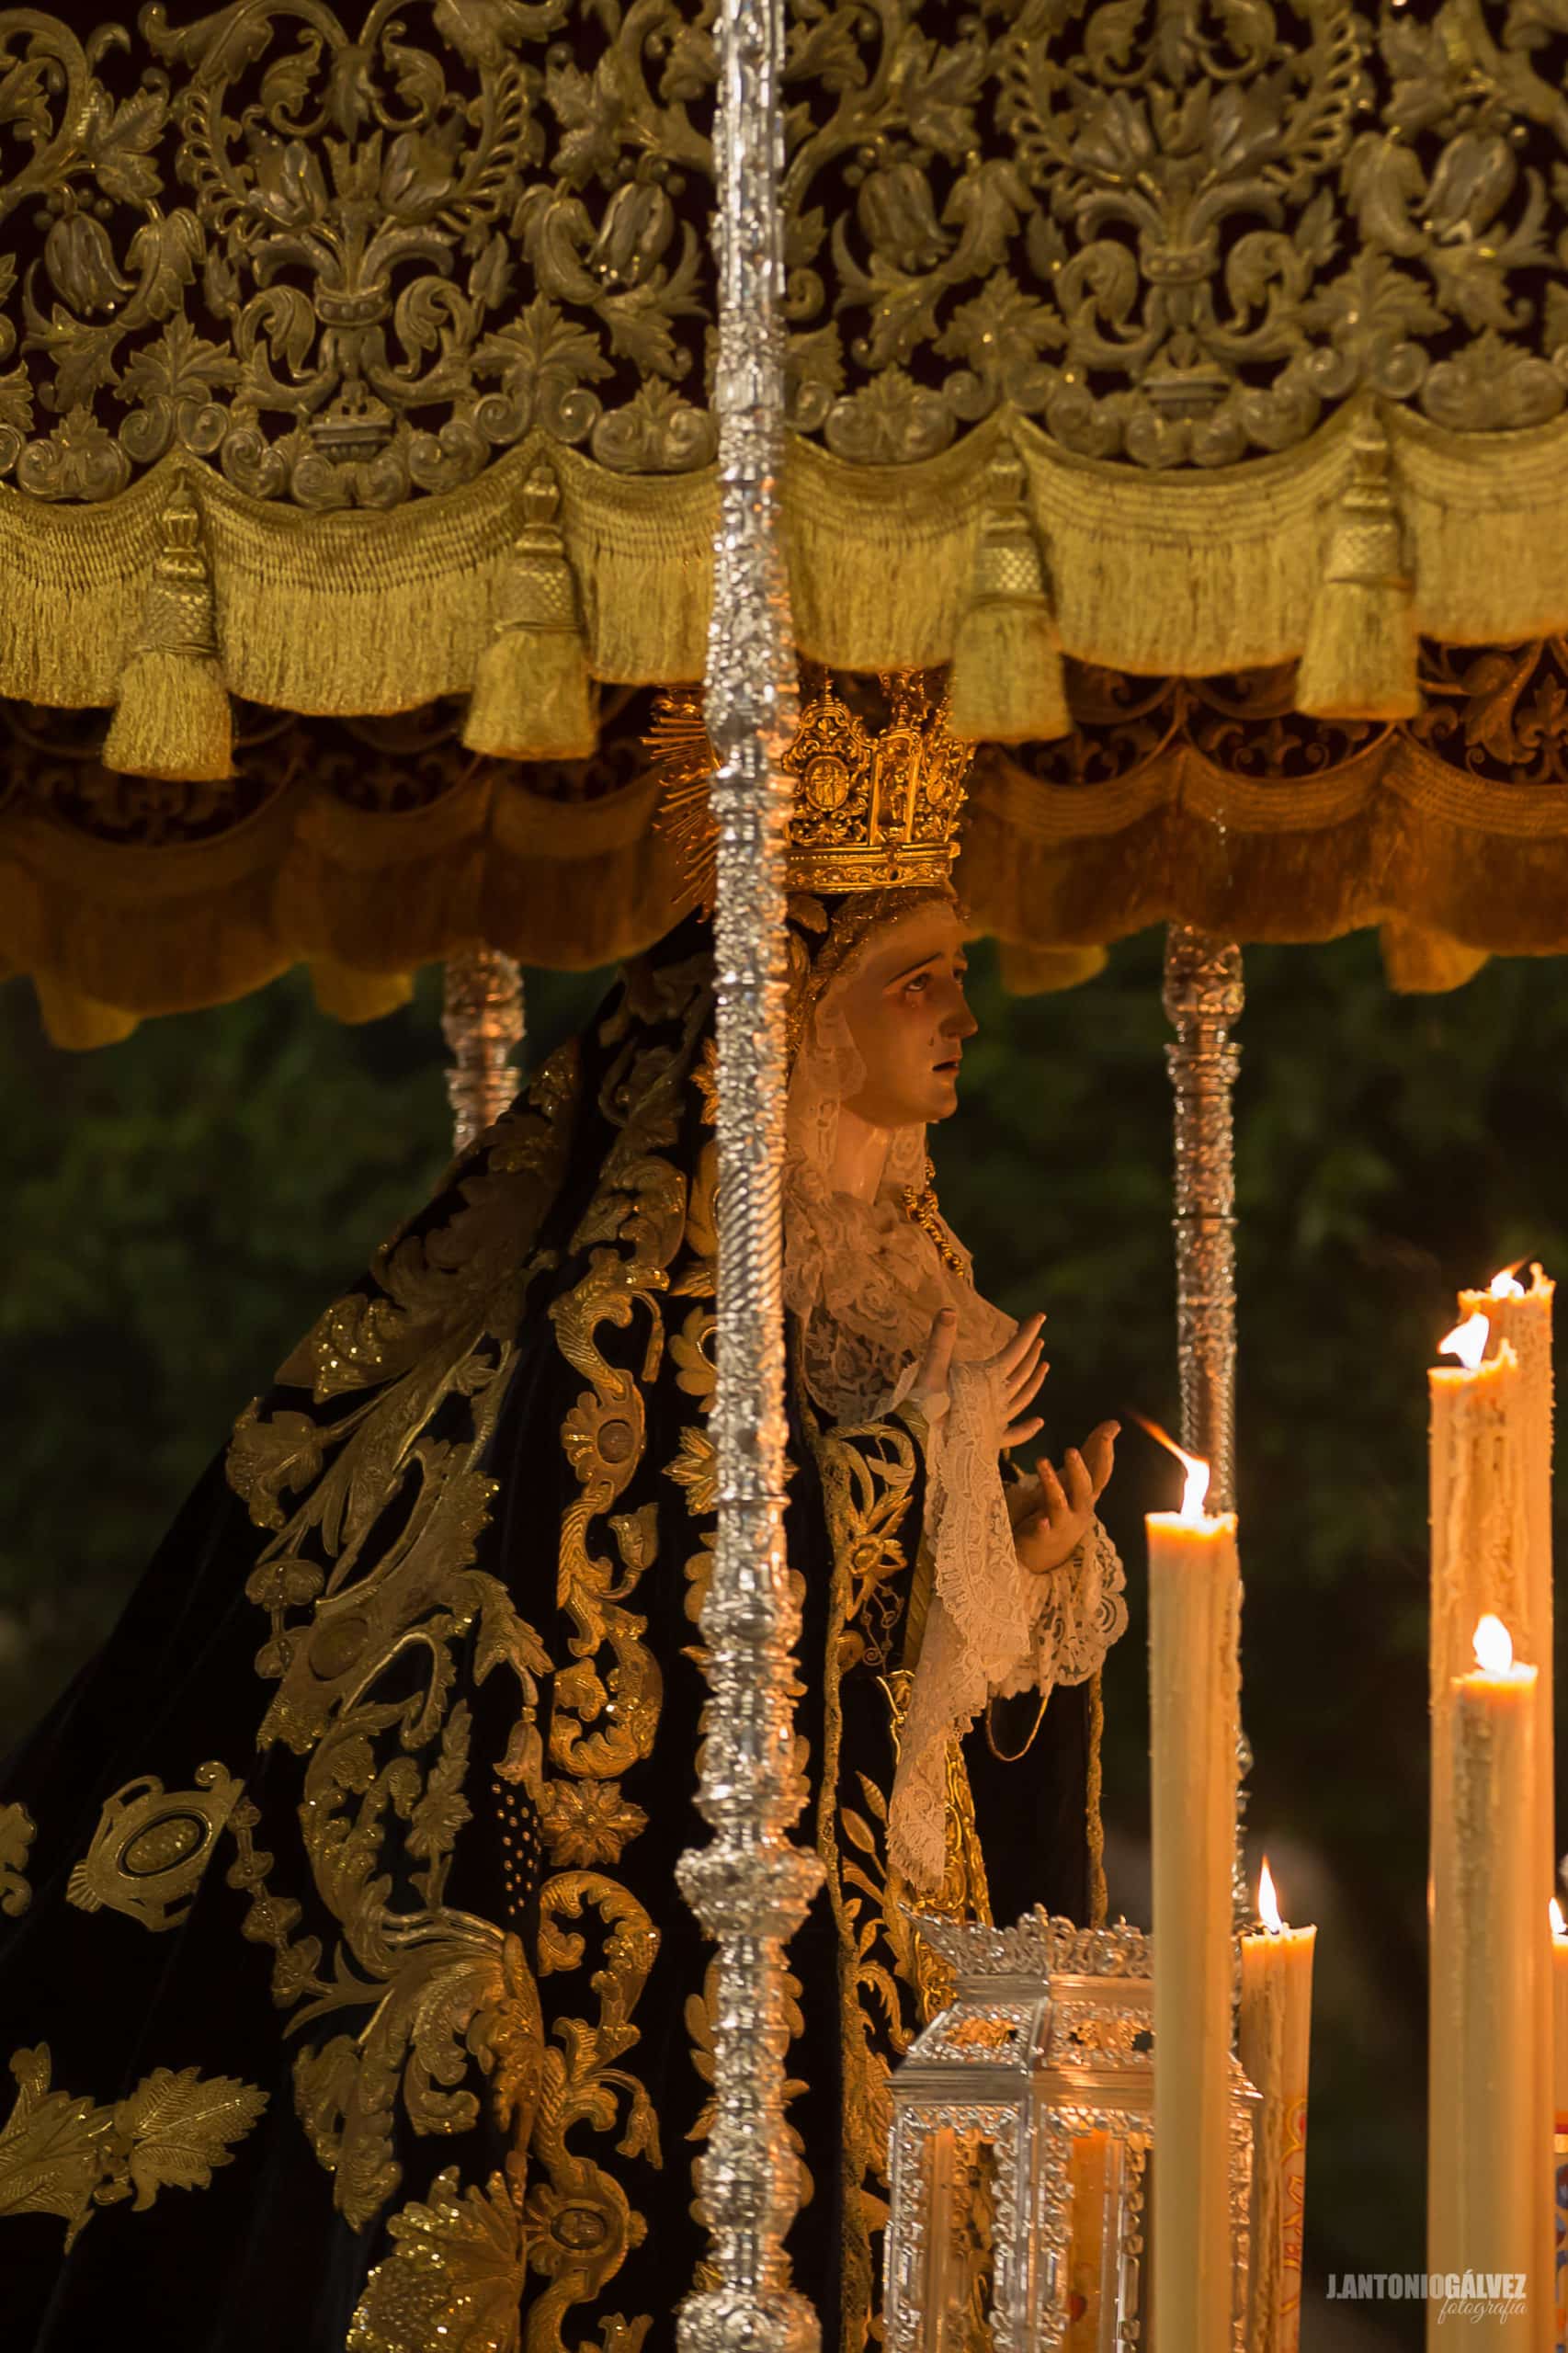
(180, 1206)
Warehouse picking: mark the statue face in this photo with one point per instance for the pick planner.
(908, 1017)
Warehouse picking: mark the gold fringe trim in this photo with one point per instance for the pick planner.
(173, 719)
(1037, 972)
(344, 995)
(78, 1022)
(1393, 835)
(1452, 867)
(532, 697)
(1007, 682)
(1360, 658)
(1426, 963)
(1201, 572)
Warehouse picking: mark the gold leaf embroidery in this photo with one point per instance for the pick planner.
(868, 1477)
(152, 1847)
(64, 2156)
(692, 1348)
(696, 1468)
(456, 2277)
(705, 1077)
(18, 1831)
(380, 1551)
(589, 1822)
(452, 1988)
(580, 2220)
(639, 1207)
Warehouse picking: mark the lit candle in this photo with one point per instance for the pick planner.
(1486, 1955)
(1478, 1529)
(1560, 2009)
(1520, 1319)
(1276, 2036)
(1194, 1612)
(1559, 2102)
(1479, 1533)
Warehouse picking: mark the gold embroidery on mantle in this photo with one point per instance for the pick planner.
(456, 2277)
(18, 1831)
(889, 1988)
(152, 1847)
(579, 2221)
(868, 1480)
(607, 1700)
(373, 1568)
(64, 2156)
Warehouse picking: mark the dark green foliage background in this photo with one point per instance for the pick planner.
(178, 1208)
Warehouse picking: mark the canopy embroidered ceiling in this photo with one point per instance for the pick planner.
(1190, 375)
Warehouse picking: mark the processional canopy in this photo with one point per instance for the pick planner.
(1184, 387)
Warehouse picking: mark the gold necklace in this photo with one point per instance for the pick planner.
(920, 1209)
(1011, 1755)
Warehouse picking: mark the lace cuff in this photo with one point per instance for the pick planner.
(1082, 1610)
(992, 1628)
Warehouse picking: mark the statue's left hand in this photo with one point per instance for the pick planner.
(1050, 1533)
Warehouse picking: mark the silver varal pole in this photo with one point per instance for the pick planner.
(1204, 997)
(482, 1018)
(751, 1885)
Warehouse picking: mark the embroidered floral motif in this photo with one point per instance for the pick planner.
(18, 1831)
(60, 2155)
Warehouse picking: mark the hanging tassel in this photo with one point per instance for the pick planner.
(173, 719)
(533, 699)
(1360, 658)
(1007, 682)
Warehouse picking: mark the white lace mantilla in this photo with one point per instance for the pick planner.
(866, 1284)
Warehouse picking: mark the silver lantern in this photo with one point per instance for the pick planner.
(1022, 2136)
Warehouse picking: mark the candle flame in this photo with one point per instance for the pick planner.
(1494, 1646)
(1267, 1901)
(1559, 1925)
(1466, 1341)
(1197, 1471)
(1506, 1285)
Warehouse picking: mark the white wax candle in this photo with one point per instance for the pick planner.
(1520, 1319)
(1479, 1541)
(1486, 1954)
(1194, 1610)
(1559, 2010)
(1276, 2041)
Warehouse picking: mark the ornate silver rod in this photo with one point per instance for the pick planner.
(481, 1016)
(751, 1885)
(1204, 996)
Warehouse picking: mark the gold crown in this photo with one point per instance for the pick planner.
(875, 808)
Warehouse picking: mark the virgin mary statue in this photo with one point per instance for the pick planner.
(345, 1987)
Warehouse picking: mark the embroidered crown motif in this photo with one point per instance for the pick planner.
(876, 808)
